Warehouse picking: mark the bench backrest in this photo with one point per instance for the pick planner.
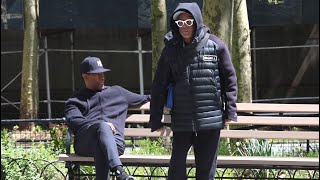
(253, 120)
(261, 108)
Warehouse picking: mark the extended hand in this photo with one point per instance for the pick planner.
(112, 127)
(226, 121)
(161, 130)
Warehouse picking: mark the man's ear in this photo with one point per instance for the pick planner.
(84, 76)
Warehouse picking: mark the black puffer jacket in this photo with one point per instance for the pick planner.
(205, 84)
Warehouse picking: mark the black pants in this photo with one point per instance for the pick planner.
(205, 145)
(98, 141)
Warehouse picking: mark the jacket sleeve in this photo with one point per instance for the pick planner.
(133, 98)
(159, 92)
(74, 117)
(229, 82)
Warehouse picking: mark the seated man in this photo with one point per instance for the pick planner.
(96, 115)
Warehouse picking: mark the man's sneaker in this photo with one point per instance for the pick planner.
(123, 176)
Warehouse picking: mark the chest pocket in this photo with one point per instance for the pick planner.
(209, 52)
(207, 65)
(208, 55)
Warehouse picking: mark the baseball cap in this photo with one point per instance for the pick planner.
(92, 65)
(176, 14)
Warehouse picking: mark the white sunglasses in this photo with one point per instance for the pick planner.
(187, 22)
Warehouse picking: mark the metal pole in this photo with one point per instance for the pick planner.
(140, 66)
(254, 63)
(47, 77)
(72, 61)
(231, 25)
(287, 47)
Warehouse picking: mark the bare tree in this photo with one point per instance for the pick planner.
(159, 29)
(29, 80)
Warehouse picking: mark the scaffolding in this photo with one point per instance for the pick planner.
(45, 51)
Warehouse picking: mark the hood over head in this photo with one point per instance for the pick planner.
(193, 9)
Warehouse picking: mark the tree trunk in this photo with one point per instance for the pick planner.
(29, 80)
(241, 53)
(217, 15)
(159, 29)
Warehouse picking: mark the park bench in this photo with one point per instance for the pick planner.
(251, 117)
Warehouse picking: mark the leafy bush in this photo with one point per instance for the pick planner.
(226, 148)
(149, 146)
(254, 147)
(37, 162)
(58, 134)
(40, 160)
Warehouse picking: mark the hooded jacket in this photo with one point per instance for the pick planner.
(203, 78)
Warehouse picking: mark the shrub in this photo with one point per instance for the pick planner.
(37, 162)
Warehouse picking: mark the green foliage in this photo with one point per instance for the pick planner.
(226, 148)
(3, 173)
(58, 134)
(4, 138)
(18, 162)
(152, 147)
(38, 128)
(254, 147)
(298, 151)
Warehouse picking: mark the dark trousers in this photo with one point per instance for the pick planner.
(98, 141)
(205, 145)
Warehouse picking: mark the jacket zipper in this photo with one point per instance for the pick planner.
(194, 129)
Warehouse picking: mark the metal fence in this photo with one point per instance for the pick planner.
(43, 169)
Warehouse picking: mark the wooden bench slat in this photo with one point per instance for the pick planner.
(138, 118)
(262, 107)
(243, 120)
(252, 134)
(278, 108)
(75, 158)
(276, 120)
(222, 160)
(246, 134)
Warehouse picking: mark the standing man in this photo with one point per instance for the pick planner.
(96, 115)
(199, 67)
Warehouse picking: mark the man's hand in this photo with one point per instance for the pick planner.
(226, 121)
(112, 127)
(161, 130)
